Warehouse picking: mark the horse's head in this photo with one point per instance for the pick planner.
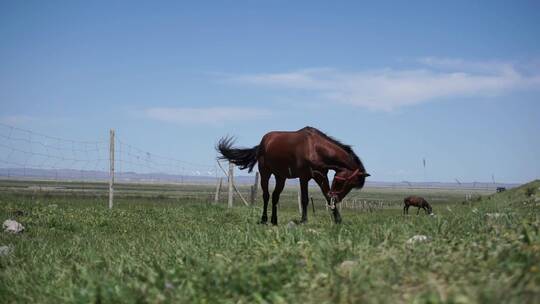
(344, 181)
(429, 209)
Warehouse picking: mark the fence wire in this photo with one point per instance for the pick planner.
(25, 154)
(135, 164)
(28, 155)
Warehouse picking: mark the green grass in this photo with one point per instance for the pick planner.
(173, 250)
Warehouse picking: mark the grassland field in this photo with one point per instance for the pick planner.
(165, 243)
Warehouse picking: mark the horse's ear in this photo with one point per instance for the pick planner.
(365, 174)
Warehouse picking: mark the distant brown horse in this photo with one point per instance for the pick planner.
(416, 201)
(305, 154)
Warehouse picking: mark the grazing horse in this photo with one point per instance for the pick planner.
(305, 154)
(416, 201)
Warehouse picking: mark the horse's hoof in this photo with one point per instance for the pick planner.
(263, 223)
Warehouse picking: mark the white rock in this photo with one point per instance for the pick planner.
(310, 230)
(494, 215)
(417, 239)
(291, 225)
(5, 250)
(12, 226)
(346, 267)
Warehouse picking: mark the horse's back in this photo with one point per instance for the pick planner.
(414, 200)
(282, 141)
(285, 152)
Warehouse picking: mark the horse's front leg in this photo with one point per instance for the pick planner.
(337, 216)
(304, 198)
(280, 184)
(324, 184)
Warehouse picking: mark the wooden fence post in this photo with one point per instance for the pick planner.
(254, 188)
(111, 167)
(233, 186)
(218, 189)
(231, 181)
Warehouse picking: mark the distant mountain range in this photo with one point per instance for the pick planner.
(90, 175)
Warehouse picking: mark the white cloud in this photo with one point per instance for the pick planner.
(387, 89)
(456, 64)
(210, 115)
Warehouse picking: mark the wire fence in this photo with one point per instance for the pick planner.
(135, 164)
(31, 160)
(83, 166)
(25, 154)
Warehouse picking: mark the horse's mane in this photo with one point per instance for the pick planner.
(343, 146)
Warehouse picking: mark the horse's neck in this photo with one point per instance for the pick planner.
(336, 159)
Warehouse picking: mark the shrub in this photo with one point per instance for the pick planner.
(530, 191)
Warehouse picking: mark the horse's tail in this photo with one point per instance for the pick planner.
(242, 157)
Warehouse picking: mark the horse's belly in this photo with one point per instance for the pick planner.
(283, 155)
(283, 167)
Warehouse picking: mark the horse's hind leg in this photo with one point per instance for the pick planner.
(266, 197)
(280, 184)
(418, 210)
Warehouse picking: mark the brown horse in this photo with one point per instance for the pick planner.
(305, 154)
(416, 201)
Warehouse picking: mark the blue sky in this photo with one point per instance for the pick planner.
(457, 83)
